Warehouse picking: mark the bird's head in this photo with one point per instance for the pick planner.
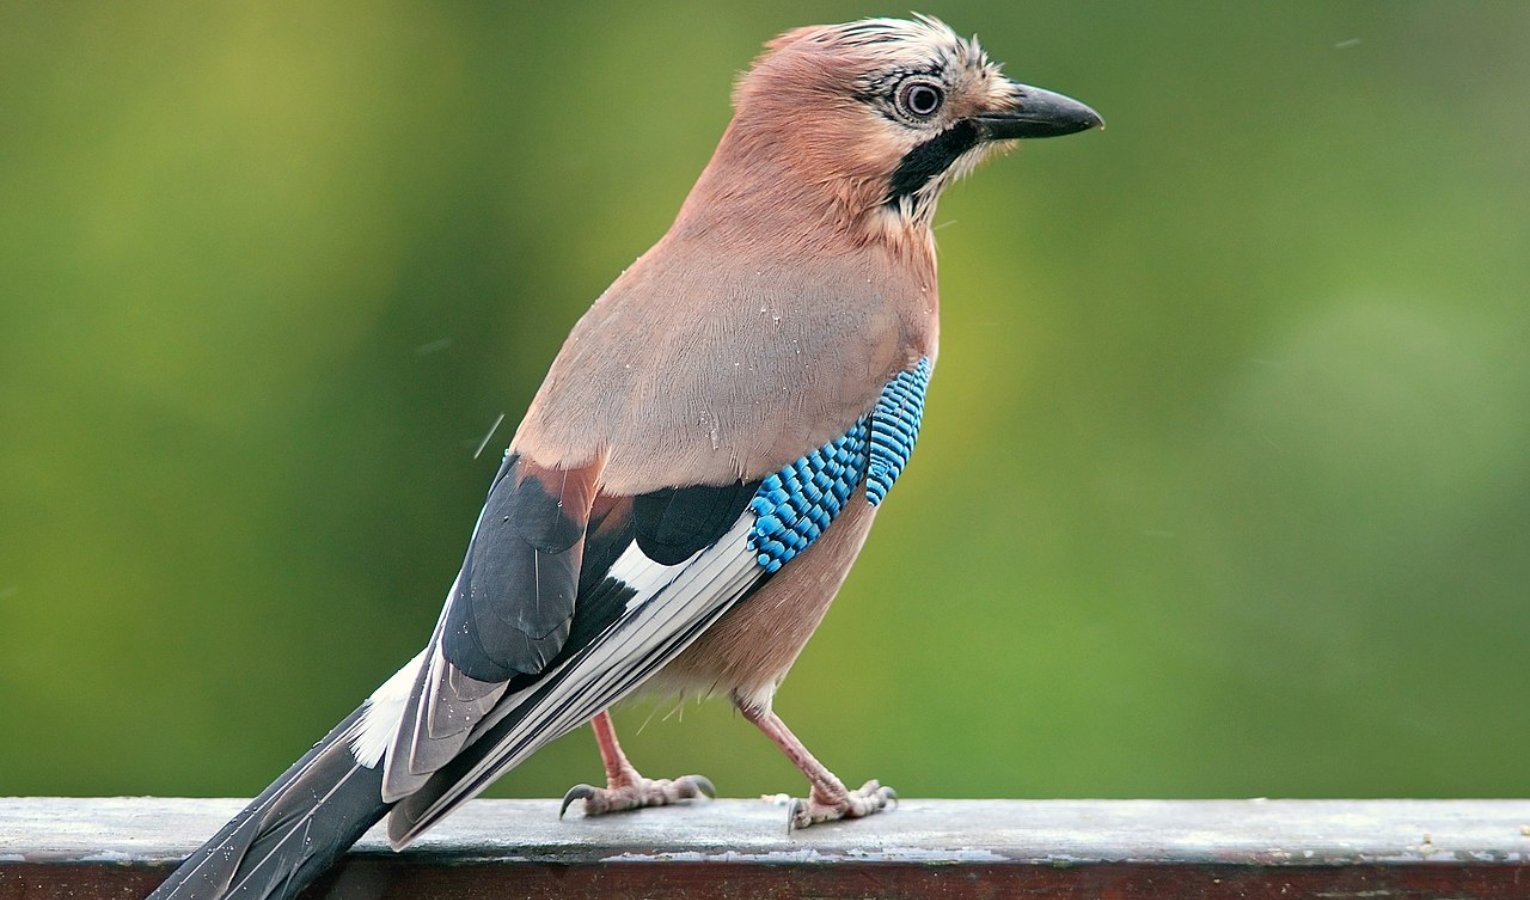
(866, 123)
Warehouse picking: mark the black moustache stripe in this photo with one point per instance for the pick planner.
(929, 159)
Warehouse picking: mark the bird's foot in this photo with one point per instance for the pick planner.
(871, 798)
(637, 792)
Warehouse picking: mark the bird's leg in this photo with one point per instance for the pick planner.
(829, 799)
(625, 788)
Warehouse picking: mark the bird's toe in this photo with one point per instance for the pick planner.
(872, 797)
(638, 793)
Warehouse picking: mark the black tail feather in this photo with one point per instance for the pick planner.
(289, 835)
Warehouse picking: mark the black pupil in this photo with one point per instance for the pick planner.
(923, 99)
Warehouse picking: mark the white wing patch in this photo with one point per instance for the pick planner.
(634, 569)
(384, 709)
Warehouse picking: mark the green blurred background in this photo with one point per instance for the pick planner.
(1222, 490)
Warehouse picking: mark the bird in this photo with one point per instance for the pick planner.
(700, 468)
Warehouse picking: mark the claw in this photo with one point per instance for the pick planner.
(701, 784)
(577, 792)
(797, 809)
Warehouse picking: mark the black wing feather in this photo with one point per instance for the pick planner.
(515, 597)
(674, 524)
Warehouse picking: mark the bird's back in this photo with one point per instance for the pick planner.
(766, 349)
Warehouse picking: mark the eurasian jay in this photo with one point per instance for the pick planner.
(700, 468)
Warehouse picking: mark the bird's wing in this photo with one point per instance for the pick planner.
(509, 613)
(644, 578)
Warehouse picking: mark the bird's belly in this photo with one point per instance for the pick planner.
(751, 648)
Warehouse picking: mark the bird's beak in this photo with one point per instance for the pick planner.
(1036, 113)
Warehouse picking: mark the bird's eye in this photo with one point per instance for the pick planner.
(920, 98)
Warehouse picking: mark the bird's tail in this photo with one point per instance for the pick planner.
(292, 832)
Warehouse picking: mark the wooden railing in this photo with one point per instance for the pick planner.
(120, 848)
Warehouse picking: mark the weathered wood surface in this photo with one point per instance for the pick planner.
(119, 848)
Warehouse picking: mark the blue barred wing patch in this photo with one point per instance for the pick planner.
(795, 505)
(895, 427)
